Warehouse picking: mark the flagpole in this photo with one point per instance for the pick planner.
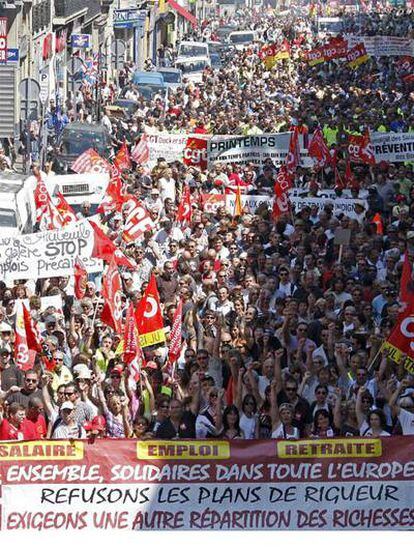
(374, 359)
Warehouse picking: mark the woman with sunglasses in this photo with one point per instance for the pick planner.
(282, 417)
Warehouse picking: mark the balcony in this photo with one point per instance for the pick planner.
(69, 10)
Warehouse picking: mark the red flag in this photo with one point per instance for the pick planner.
(318, 148)
(90, 162)
(238, 206)
(149, 317)
(123, 159)
(32, 336)
(360, 149)
(401, 339)
(407, 285)
(81, 278)
(113, 196)
(349, 176)
(138, 220)
(140, 153)
(195, 152)
(24, 357)
(65, 210)
(184, 212)
(283, 183)
(293, 156)
(112, 293)
(339, 182)
(47, 215)
(104, 248)
(176, 334)
(133, 355)
(377, 220)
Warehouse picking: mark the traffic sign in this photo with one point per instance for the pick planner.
(81, 40)
(44, 87)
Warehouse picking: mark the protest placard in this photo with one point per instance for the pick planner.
(393, 147)
(254, 149)
(49, 253)
(341, 205)
(380, 46)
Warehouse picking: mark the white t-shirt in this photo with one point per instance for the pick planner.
(248, 426)
(280, 433)
(368, 433)
(407, 422)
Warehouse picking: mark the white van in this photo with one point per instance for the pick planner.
(17, 207)
(193, 67)
(329, 26)
(78, 188)
(242, 38)
(193, 49)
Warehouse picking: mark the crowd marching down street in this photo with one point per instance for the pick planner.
(248, 272)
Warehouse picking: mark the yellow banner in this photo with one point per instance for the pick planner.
(155, 337)
(187, 450)
(327, 449)
(359, 61)
(396, 356)
(41, 450)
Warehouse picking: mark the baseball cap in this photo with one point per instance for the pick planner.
(410, 234)
(67, 405)
(4, 327)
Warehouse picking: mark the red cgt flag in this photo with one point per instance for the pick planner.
(138, 220)
(133, 355)
(32, 336)
(407, 284)
(81, 278)
(123, 158)
(293, 156)
(176, 334)
(360, 149)
(112, 293)
(65, 210)
(283, 183)
(149, 317)
(104, 248)
(47, 215)
(184, 211)
(401, 340)
(140, 153)
(90, 162)
(24, 357)
(113, 197)
(318, 149)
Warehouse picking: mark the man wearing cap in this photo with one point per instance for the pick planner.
(61, 373)
(10, 375)
(68, 427)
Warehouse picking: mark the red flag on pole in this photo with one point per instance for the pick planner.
(90, 162)
(176, 334)
(283, 183)
(140, 153)
(32, 336)
(149, 317)
(112, 293)
(123, 159)
(104, 248)
(318, 149)
(184, 211)
(407, 285)
(24, 358)
(113, 196)
(401, 340)
(65, 210)
(293, 156)
(81, 278)
(377, 220)
(47, 215)
(133, 355)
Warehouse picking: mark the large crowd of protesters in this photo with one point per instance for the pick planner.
(282, 329)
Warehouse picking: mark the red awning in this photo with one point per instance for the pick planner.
(183, 12)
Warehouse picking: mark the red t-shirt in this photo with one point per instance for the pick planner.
(39, 426)
(26, 431)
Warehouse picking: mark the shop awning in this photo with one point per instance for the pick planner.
(183, 12)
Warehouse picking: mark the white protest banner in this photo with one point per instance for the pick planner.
(321, 484)
(254, 149)
(49, 253)
(177, 148)
(379, 46)
(393, 147)
(341, 205)
(249, 203)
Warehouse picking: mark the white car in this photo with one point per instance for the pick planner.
(241, 39)
(17, 207)
(193, 49)
(192, 68)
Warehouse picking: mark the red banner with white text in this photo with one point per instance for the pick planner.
(328, 484)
